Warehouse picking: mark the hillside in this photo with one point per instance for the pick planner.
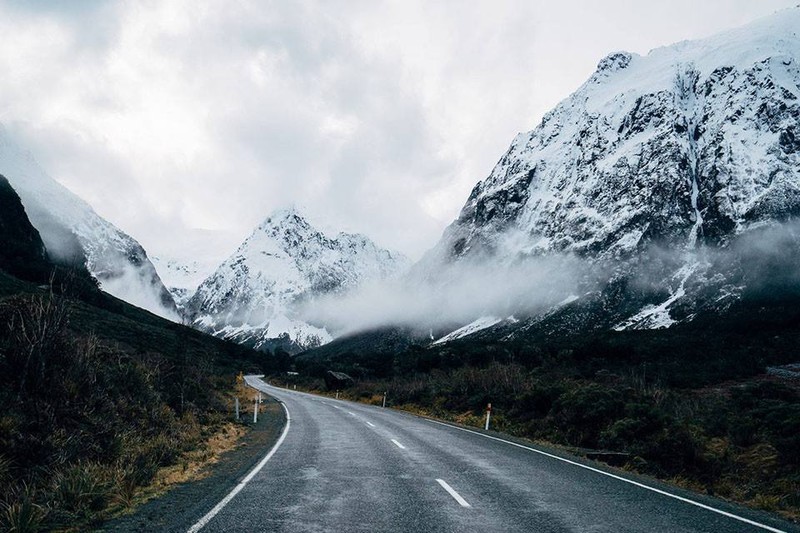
(73, 231)
(97, 394)
(655, 175)
(24, 254)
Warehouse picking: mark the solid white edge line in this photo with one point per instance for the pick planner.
(456, 496)
(398, 444)
(619, 478)
(217, 508)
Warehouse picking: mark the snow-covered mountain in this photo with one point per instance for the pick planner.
(188, 262)
(254, 296)
(182, 277)
(688, 147)
(71, 230)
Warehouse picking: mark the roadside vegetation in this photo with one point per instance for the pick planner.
(101, 410)
(103, 404)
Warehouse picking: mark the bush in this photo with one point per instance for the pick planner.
(538, 402)
(582, 413)
(22, 516)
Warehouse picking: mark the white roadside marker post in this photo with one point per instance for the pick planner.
(384, 399)
(236, 402)
(337, 394)
(488, 416)
(255, 409)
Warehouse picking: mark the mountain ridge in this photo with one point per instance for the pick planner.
(669, 96)
(73, 231)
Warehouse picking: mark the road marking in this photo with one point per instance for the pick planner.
(217, 508)
(596, 470)
(456, 496)
(370, 424)
(619, 478)
(399, 445)
(351, 413)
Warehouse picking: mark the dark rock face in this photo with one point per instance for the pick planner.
(22, 252)
(337, 380)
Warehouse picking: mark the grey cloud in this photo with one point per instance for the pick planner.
(379, 116)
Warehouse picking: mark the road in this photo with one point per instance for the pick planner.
(343, 466)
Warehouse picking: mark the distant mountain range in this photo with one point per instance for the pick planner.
(251, 297)
(674, 177)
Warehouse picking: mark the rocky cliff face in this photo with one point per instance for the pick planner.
(22, 252)
(686, 148)
(254, 295)
(690, 144)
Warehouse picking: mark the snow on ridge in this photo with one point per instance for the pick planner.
(688, 146)
(658, 316)
(481, 323)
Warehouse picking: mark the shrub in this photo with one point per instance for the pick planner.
(583, 411)
(22, 517)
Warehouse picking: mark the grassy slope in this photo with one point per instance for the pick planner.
(106, 396)
(138, 330)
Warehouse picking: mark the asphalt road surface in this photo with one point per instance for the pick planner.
(347, 467)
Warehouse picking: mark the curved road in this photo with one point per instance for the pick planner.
(343, 466)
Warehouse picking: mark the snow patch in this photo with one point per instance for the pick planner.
(473, 327)
(657, 316)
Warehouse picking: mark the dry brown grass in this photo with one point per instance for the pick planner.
(193, 465)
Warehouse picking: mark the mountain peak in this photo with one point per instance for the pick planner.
(291, 213)
(286, 220)
(255, 295)
(615, 61)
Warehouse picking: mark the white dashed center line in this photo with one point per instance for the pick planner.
(370, 424)
(456, 496)
(398, 445)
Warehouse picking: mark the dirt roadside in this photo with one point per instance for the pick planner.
(181, 507)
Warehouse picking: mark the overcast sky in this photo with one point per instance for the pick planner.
(377, 117)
